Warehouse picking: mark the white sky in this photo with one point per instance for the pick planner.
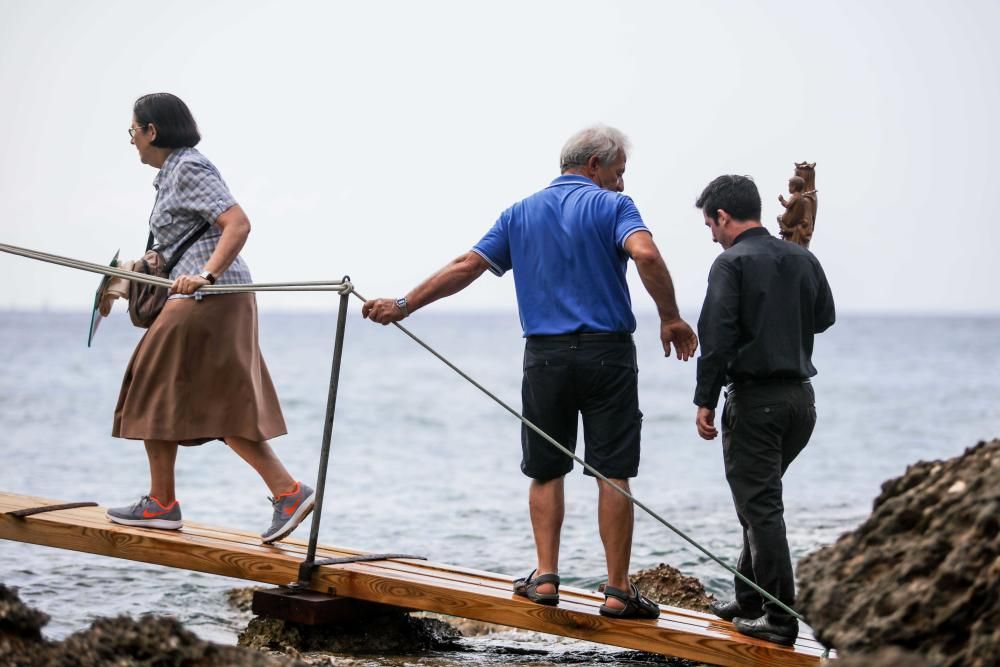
(382, 139)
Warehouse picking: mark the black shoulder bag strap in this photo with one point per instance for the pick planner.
(183, 248)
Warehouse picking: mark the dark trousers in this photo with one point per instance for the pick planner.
(764, 427)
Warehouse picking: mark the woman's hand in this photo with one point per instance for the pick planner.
(188, 284)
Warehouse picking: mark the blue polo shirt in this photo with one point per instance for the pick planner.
(566, 247)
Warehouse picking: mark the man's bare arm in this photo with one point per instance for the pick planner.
(656, 279)
(450, 279)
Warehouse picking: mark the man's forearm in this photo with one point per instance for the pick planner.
(452, 278)
(455, 276)
(656, 279)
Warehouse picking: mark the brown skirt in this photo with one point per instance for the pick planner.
(198, 375)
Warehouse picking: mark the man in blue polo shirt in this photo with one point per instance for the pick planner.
(569, 246)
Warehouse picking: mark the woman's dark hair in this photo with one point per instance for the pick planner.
(736, 195)
(175, 126)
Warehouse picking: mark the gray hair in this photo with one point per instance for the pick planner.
(600, 140)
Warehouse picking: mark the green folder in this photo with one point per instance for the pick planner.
(96, 317)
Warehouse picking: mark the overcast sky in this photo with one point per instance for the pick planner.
(382, 139)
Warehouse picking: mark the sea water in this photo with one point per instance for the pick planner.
(423, 463)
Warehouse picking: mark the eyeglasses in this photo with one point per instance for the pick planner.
(133, 130)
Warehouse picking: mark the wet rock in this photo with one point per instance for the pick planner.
(150, 641)
(664, 584)
(21, 626)
(18, 618)
(388, 633)
(887, 657)
(467, 627)
(241, 599)
(921, 573)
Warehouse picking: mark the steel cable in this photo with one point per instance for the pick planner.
(343, 287)
(590, 468)
(338, 286)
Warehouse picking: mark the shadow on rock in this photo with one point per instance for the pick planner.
(921, 573)
(388, 633)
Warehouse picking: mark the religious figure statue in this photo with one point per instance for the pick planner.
(799, 219)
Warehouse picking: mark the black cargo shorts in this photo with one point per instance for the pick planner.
(594, 375)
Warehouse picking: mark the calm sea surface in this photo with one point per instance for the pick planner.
(423, 463)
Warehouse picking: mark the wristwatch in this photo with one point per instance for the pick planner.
(207, 275)
(401, 304)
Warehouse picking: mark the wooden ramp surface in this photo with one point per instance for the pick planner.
(413, 584)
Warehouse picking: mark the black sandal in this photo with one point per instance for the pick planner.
(636, 605)
(528, 588)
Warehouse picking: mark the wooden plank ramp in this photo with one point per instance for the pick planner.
(413, 584)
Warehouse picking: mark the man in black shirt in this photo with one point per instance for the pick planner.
(766, 299)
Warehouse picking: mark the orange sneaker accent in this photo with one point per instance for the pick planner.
(294, 490)
(288, 511)
(166, 507)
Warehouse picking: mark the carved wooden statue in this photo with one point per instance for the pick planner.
(799, 219)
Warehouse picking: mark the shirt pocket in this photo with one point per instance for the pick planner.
(161, 222)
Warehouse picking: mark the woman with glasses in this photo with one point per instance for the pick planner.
(198, 375)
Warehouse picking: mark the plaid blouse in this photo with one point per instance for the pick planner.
(189, 192)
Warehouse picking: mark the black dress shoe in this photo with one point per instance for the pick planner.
(727, 610)
(761, 628)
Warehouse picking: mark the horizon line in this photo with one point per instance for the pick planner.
(445, 310)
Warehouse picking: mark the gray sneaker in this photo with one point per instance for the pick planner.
(289, 511)
(148, 513)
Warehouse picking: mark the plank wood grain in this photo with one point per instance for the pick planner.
(413, 584)
(449, 573)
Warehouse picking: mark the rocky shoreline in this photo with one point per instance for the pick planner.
(921, 574)
(125, 641)
(157, 640)
(914, 586)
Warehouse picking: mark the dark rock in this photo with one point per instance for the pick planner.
(466, 627)
(664, 584)
(150, 641)
(921, 573)
(389, 633)
(19, 619)
(21, 640)
(241, 599)
(887, 657)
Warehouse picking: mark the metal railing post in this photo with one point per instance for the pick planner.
(307, 566)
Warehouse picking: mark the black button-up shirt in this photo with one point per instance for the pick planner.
(766, 299)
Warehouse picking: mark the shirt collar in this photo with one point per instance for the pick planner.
(753, 231)
(168, 164)
(570, 179)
